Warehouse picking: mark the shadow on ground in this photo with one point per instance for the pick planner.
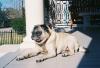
(92, 58)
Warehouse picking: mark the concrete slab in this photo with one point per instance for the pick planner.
(7, 54)
(56, 62)
(79, 60)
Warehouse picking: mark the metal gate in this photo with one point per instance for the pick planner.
(59, 13)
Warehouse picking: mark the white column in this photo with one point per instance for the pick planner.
(34, 15)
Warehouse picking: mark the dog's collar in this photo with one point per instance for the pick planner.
(44, 41)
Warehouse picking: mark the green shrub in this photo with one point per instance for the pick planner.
(18, 25)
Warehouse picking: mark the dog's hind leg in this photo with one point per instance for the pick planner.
(68, 53)
(82, 49)
(71, 51)
(65, 53)
(71, 48)
(79, 48)
(76, 47)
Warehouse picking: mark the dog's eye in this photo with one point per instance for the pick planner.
(38, 33)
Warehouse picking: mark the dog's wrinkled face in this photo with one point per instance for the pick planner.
(40, 34)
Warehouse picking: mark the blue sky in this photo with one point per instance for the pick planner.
(10, 3)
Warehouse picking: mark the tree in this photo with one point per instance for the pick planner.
(12, 13)
(3, 18)
(18, 25)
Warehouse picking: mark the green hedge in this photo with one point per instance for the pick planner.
(19, 25)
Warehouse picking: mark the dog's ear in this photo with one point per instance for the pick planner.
(49, 25)
(45, 27)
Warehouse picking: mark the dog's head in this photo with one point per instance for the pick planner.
(40, 33)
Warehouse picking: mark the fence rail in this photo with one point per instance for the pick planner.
(10, 37)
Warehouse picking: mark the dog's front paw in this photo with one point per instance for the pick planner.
(19, 58)
(40, 60)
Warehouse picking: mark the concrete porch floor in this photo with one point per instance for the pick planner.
(90, 40)
(57, 62)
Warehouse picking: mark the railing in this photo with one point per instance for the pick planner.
(10, 37)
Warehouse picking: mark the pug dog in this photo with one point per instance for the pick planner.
(50, 43)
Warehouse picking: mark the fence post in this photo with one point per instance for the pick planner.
(1, 37)
(11, 37)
